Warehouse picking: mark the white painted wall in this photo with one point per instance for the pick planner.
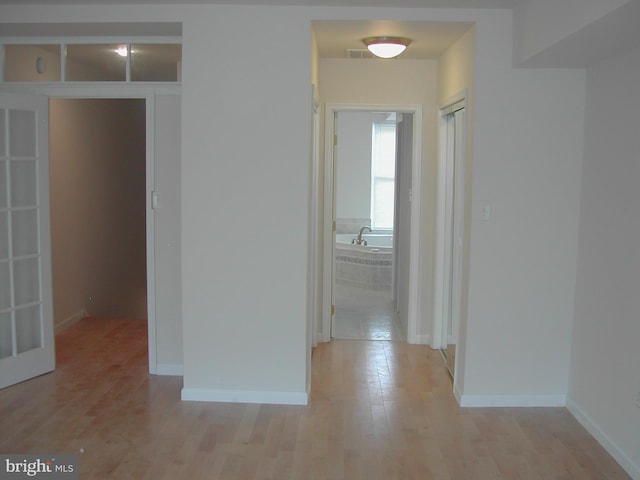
(245, 177)
(168, 278)
(527, 164)
(605, 359)
(573, 33)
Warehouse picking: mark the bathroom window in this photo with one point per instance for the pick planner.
(383, 169)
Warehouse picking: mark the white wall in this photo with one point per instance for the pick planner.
(526, 164)
(605, 359)
(167, 241)
(245, 203)
(573, 33)
(543, 23)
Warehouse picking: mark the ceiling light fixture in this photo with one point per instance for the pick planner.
(122, 51)
(386, 47)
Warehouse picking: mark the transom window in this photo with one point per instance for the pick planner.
(92, 62)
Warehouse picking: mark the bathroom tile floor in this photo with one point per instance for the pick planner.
(365, 315)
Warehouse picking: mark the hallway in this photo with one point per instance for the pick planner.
(378, 411)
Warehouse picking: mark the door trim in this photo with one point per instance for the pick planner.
(415, 243)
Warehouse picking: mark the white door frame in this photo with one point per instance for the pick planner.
(440, 274)
(106, 91)
(415, 254)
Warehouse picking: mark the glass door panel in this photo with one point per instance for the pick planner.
(6, 337)
(28, 329)
(22, 133)
(26, 320)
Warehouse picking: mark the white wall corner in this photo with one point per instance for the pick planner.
(511, 400)
(169, 369)
(604, 440)
(71, 320)
(244, 396)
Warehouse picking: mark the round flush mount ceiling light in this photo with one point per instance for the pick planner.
(386, 47)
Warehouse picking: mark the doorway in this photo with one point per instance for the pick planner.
(385, 306)
(368, 159)
(98, 208)
(450, 228)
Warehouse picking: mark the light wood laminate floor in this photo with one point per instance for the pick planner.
(378, 411)
(365, 315)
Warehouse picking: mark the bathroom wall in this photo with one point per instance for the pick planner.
(353, 169)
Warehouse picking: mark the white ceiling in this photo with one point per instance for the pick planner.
(428, 39)
(347, 3)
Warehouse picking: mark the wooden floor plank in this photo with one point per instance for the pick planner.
(378, 411)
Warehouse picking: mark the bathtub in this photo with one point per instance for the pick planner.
(373, 239)
(365, 266)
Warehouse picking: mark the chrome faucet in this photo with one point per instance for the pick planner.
(359, 240)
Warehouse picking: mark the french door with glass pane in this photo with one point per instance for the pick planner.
(26, 316)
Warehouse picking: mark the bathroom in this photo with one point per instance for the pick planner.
(367, 174)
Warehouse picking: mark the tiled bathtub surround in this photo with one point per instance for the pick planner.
(364, 267)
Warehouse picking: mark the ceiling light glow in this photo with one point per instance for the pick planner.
(386, 47)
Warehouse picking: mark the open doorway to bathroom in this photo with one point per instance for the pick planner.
(373, 155)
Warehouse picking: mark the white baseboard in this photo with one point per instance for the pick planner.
(169, 369)
(244, 396)
(511, 400)
(67, 322)
(603, 439)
